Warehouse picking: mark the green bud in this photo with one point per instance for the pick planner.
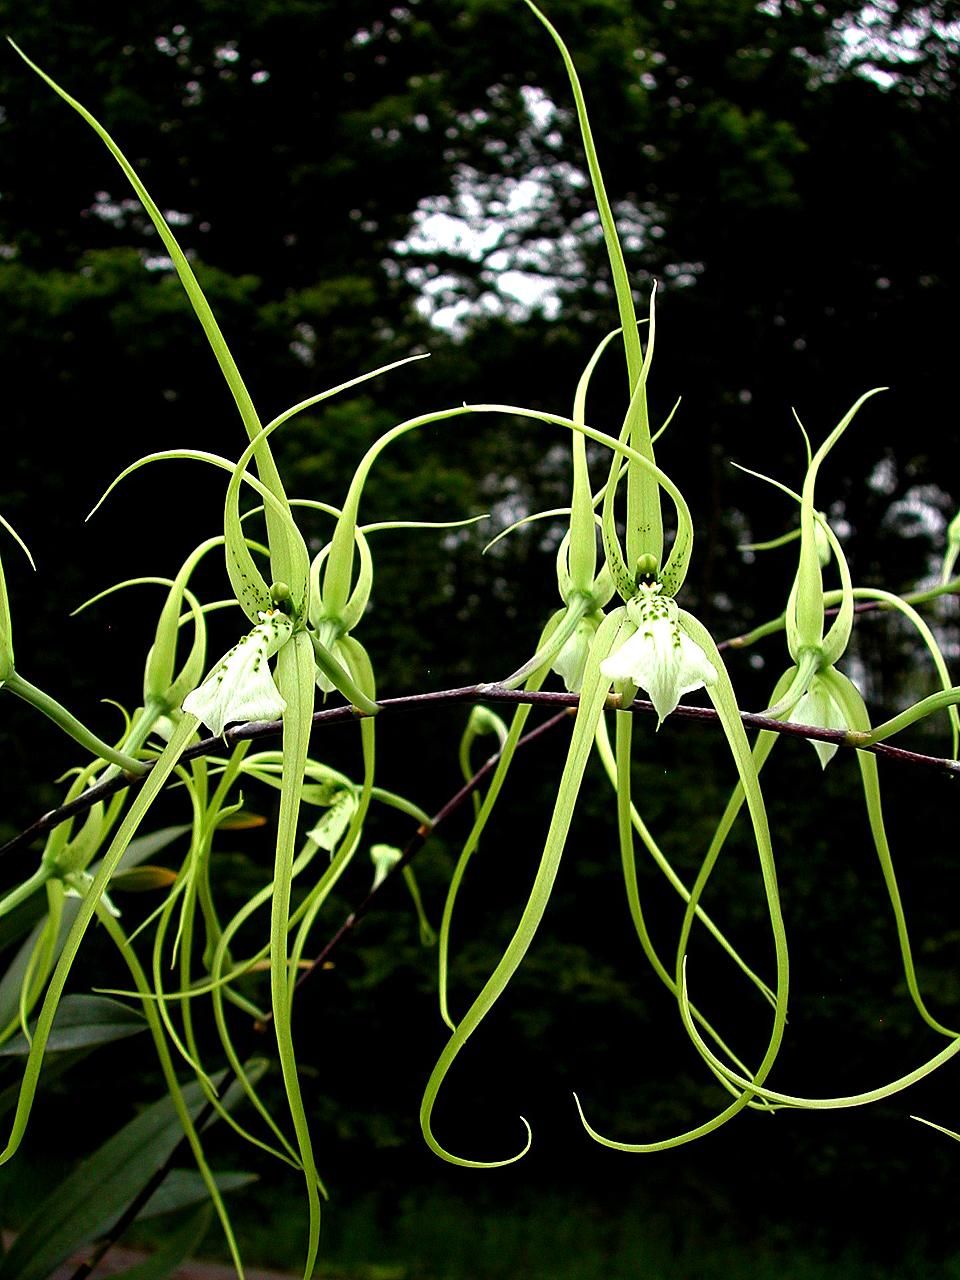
(384, 858)
(483, 720)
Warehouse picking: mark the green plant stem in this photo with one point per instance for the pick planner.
(70, 725)
(191, 1134)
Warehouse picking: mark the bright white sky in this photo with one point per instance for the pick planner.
(482, 221)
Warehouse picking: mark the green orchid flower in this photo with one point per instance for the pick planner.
(647, 583)
(810, 688)
(334, 648)
(329, 829)
(814, 692)
(565, 644)
(659, 656)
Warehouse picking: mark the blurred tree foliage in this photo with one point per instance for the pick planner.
(783, 169)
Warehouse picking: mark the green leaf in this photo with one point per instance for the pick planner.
(143, 879)
(53, 1068)
(144, 847)
(179, 1245)
(183, 1188)
(93, 1197)
(83, 1022)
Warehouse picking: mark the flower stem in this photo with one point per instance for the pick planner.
(70, 724)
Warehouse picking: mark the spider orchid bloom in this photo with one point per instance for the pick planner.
(240, 687)
(820, 708)
(659, 657)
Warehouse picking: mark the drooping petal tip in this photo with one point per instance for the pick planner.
(819, 708)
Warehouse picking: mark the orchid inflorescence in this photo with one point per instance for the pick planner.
(299, 639)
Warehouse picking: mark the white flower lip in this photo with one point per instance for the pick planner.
(571, 661)
(659, 657)
(819, 708)
(240, 687)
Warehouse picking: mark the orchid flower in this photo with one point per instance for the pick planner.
(659, 657)
(688, 666)
(814, 692)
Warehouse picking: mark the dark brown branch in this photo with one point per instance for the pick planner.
(469, 694)
(132, 1211)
